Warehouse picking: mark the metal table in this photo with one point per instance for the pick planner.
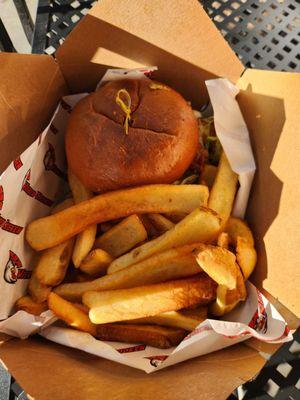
(265, 34)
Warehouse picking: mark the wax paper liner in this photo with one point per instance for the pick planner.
(37, 179)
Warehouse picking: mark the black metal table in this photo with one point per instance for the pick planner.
(265, 34)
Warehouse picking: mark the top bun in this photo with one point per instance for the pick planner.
(159, 145)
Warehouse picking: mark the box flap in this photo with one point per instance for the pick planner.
(175, 35)
(30, 87)
(81, 376)
(270, 103)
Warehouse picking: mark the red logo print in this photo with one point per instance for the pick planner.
(35, 194)
(18, 163)
(50, 165)
(259, 321)
(53, 129)
(132, 349)
(155, 361)
(14, 269)
(1, 197)
(8, 226)
(66, 106)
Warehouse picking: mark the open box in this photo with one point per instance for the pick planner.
(178, 37)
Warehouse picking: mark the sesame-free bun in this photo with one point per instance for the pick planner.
(159, 146)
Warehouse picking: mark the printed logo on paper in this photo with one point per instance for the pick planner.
(8, 226)
(50, 163)
(155, 361)
(259, 321)
(18, 163)
(1, 197)
(35, 194)
(14, 269)
(53, 129)
(65, 106)
(132, 349)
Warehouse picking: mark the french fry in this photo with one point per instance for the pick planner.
(223, 191)
(85, 239)
(96, 262)
(201, 225)
(246, 256)
(171, 264)
(155, 336)
(161, 223)
(236, 227)
(177, 319)
(38, 291)
(175, 216)
(220, 265)
(83, 278)
(122, 237)
(146, 301)
(106, 226)
(152, 232)
(208, 175)
(223, 240)
(27, 304)
(52, 230)
(70, 313)
(63, 205)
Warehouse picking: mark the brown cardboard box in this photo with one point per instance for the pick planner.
(179, 38)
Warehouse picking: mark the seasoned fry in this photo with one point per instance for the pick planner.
(52, 230)
(236, 227)
(146, 301)
(223, 240)
(208, 175)
(96, 262)
(161, 223)
(38, 291)
(85, 239)
(201, 225)
(155, 336)
(26, 303)
(168, 265)
(219, 264)
(177, 319)
(246, 256)
(70, 313)
(223, 190)
(122, 237)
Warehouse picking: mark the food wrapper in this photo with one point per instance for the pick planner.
(37, 179)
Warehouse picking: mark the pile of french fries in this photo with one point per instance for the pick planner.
(144, 264)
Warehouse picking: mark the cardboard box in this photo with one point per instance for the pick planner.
(179, 38)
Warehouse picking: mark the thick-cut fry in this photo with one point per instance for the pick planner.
(237, 227)
(122, 237)
(155, 336)
(208, 175)
(178, 319)
(26, 303)
(223, 240)
(85, 239)
(220, 265)
(171, 264)
(70, 313)
(53, 263)
(201, 225)
(96, 262)
(38, 291)
(246, 256)
(49, 231)
(146, 301)
(161, 223)
(223, 190)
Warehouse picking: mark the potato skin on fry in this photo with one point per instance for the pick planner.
(152, 335)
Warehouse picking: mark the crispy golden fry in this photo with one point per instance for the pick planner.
(201, 225)
(246, 256)
(26, 303)
(53, 263)
(227, 299)
(219, 264)
(70, 313)
(237, 227)
(223, 240)
(208, 175)
(146, 301)
(223, 191)
(177, 319)
(52, 230)
(175, 216)
(85, 239)
(96, 262)
(161, 223)
(171, 264)
(122, 237)
(155, 336)
(37, 290)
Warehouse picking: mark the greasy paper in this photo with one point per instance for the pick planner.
(39, 177)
